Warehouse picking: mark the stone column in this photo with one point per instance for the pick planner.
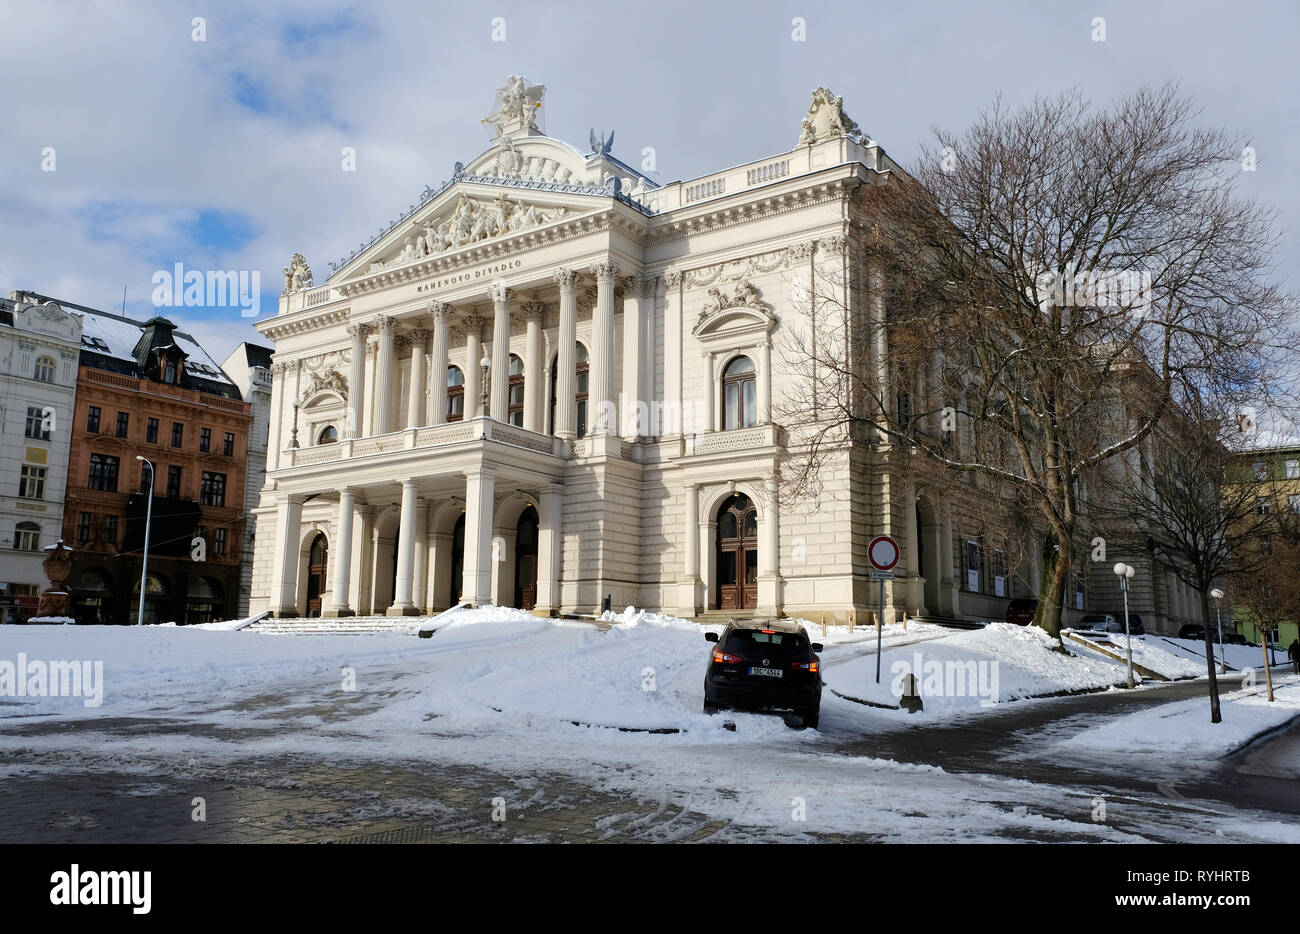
(534, 377)
(419, 569)
(366, 560)
(566, 406)
(288, 531)
(279, 373)
(763, 381)
(603, 415)
(403, 598)
(550, 552)
(631, 415)
(709, 418)
(769, 553)
(384, 373)
(342, 551)
(674, 422)
(479, 503)
(948, 582)
(415, 401)
(473, 372)
(499, 393)
(357, 381)
(689, 583)
(438, 396)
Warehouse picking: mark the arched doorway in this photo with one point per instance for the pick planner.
(92, 598)
(458, 560)
(155, 604)
(316, 560)
(526, 560)
(203, 601)
(737, 554)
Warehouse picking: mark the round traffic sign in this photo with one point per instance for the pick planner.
(882, 552)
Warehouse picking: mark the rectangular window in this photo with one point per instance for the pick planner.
(205, 440)
(25, 539)
(229, 449)
(219, 542)
(1261, 505)
(1292, 468)
(123, 424)
(144, 478)
(110, 529)
(973, 566)
(999, 573)
(151, 433)
(83, 527)
(31, 482)
(178, 434)
(36, 423)
(1293, 501)
(173, 482)
(214, 489)
(103, 473)
(1078, 592)
(92, 419)
(1261, 470)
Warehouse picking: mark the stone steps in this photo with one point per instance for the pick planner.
(349, 626)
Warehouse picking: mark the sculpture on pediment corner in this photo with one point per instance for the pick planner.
(516, 106)
(826, 119)
(297, 275)
(510, 162)
(601, 145)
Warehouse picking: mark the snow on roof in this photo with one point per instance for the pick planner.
(116, 337)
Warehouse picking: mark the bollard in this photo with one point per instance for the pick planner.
(911, 699)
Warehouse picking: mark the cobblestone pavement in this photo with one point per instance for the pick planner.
(288, 800)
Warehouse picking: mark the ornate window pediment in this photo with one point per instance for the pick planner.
(741, 312)
(331, 381)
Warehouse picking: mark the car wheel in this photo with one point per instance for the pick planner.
(811, 718)
(710, 707)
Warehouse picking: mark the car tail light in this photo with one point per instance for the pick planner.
(724, 658)
(805, 666)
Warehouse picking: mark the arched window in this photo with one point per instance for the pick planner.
(455, 394)
(27, 536)
(739, 395)
(515, 414)
(328, 435)
(581, 387)
(45, 369)
(156, 600)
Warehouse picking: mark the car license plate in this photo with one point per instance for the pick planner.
(766, 672)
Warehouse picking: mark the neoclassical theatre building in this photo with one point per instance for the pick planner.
(553, 381)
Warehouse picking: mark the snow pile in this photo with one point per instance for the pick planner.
(1184, 727)
(971, 669)
(1151, 652)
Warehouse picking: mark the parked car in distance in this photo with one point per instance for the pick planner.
(1111, 622)
(1192, 631)
(1235, 638)
(1021, 610)
(764, 666)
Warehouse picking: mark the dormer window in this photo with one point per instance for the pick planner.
(169, 372)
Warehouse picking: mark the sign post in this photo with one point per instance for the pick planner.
(883, 555)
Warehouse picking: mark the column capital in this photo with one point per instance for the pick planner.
(295, 499)
(567, 278)
(473, 323)
(649, 286)
(533, 309)
(500, 293)
(673, 278)
(419, 336)
(385, 325)
(439, 310)
(359, 331)
(605, 272)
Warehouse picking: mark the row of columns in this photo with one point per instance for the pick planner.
(638, 325)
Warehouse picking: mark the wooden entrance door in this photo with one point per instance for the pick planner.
(526, 560)
(737, 554)
(316, 562)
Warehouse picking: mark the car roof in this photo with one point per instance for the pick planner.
(778, 625)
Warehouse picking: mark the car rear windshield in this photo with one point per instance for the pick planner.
(1094, 618)
(744, 641)
(1022, 604)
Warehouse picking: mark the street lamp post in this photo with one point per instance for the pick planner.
(1217, 594)
(485, 363)
(148, 520)
(1124, 572)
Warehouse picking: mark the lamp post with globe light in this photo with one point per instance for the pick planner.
(1217, 594)
(486, 364)
(1124, 572)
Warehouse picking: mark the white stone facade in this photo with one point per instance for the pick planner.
(40, 345)
(248, 367)
(626, 306)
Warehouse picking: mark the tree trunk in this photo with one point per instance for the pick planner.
(1268, 672)
(1215, 715)
(1048, 615)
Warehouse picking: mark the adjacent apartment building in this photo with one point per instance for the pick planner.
(39, 346)
(147, 390)
(249, 368)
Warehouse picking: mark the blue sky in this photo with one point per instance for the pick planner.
(225, 154)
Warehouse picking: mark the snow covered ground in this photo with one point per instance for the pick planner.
(619, 709)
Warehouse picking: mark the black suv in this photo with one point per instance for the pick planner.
(764, 666)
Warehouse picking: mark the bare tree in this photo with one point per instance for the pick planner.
(1045, 286)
